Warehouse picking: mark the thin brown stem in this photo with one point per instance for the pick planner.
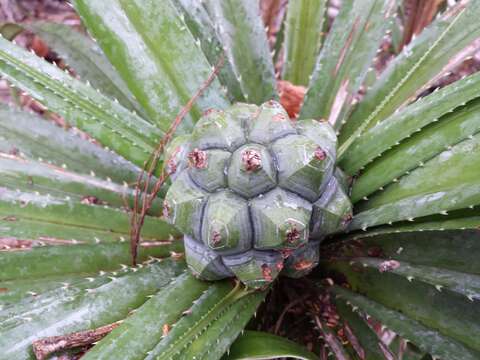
(44, 347)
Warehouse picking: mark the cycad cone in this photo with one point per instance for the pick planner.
(254, 193)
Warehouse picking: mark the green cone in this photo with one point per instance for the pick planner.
(255, 193)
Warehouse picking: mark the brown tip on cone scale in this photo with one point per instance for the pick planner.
(347, 219)
(216, 238)
(251, 160)
(293, 235)
(267, 273)
(320, 154)
(198, 159)
(303, 265)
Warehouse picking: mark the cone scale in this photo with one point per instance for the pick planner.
(255, 193)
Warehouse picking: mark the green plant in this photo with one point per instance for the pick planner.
(408, 260)
(255, 194)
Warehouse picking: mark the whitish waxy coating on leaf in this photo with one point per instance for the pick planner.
(251, 189)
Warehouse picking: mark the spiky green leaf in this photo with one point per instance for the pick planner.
(156, 55)
(18, 290)
(37, 260)
(202, 28)
(427, 339)
(447, 182)
(82, 106)
(443, 300)
(35, 176)
(107, 301)
(27, 215)
(31, 136)
(422, 148)
(367, 344)
(399, 126)
(86, 58)
(261, 345)
(241, 32)
(345, 58)
(433, 52)
(303, 39)
(215, 321)
(139, 333)
(455, 250)
(456, 220)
